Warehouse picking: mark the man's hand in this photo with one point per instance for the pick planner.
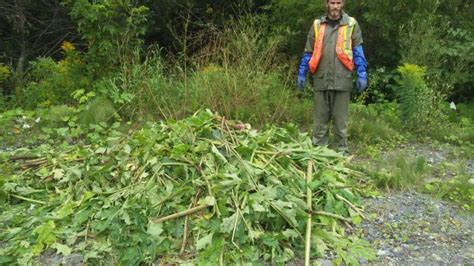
(361, 84)
(301, 82)
(303, 71)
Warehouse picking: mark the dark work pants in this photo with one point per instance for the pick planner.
(331, 105)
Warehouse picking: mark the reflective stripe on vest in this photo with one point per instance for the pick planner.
(343, 45)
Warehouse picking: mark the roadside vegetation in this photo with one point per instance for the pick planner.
(84, 132)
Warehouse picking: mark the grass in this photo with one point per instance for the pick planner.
(453, 182)
(374, 125)
(395, 171)
(238, 75)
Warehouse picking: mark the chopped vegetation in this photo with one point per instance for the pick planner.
(203, 190)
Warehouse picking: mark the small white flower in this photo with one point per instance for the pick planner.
(38, 120)
(452, 106)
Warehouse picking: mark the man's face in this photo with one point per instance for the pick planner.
(334, 8)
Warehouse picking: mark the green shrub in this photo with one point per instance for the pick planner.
(380, 88)
(466, 110)
(5, 73)
(420, 105)
(41, 90)
(111, 29)
(52, 82)
(441, 46)
(460, 126)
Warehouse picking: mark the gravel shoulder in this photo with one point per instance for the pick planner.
(410, 228)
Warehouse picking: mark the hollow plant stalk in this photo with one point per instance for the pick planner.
(309, 178)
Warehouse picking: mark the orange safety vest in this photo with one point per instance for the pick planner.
(343, 45)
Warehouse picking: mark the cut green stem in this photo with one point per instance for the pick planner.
(309, 178)
(27, 199)
(180, 214)
(333, 216)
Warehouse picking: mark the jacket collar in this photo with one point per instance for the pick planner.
(344, 19)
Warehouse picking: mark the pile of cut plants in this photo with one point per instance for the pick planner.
(202, 190)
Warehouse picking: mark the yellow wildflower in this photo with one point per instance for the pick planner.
(67, 47)
(211, 68)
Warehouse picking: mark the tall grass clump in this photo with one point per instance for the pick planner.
(239, 75)
(144, 90)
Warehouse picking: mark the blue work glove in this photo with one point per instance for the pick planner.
(303, 70)
(361, 83)
(361, 66)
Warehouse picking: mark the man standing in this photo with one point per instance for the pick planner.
(333, 50)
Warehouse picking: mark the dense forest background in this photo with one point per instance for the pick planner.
(432, 33)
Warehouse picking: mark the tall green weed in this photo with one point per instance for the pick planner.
(5, 73)
(142, 91)
(420, 105)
